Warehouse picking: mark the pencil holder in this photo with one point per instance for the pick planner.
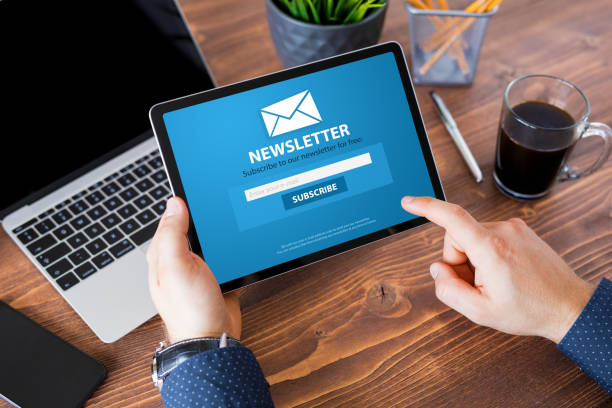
(445, 45)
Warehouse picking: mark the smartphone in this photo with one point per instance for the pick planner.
(39, 369)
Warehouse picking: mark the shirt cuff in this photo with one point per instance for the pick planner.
(229, 376)
(589, 341)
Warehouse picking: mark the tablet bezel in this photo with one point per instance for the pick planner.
(156, 116)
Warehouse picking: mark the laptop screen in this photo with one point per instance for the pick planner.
(78, 79)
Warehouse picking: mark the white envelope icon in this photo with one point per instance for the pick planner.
(293, 113)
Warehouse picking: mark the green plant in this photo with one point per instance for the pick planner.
(328, 12)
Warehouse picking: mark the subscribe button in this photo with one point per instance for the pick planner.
(314, 192)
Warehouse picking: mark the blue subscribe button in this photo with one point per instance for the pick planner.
(314, 193)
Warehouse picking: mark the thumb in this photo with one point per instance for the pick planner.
(457, 293)
(171, 236)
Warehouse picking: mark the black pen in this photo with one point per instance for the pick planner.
(453, 130)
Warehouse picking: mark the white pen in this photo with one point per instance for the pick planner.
(453, 130)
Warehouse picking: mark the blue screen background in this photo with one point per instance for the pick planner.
(211, 141)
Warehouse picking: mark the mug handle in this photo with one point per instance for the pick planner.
(594, 129)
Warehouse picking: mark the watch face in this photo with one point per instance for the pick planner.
(168, 358)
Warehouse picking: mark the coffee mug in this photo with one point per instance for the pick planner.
(543, 117)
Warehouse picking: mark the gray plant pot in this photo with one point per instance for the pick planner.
(298, 42)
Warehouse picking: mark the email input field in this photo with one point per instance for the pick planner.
(308, 177)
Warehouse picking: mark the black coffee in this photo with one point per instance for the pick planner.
(528, 159)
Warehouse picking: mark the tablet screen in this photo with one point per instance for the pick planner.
(292, 168)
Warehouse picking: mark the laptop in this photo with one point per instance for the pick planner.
(84, 185)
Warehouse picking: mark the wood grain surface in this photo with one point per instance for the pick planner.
(364, 329)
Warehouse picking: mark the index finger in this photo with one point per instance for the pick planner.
(460, 225)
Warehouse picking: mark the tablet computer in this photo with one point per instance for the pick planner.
(292, 167)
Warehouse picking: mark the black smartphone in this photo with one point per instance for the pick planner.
(39, 369)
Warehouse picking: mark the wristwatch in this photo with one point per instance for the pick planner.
(168, 358)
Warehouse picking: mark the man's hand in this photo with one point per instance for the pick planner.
(501, 274)
(184, 290)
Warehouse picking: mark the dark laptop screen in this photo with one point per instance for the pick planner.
(78, 79)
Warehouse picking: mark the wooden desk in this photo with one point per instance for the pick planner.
(326, 334)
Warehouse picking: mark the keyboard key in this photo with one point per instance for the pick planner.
(80, 222)
(67, 281)
(146, 217)
(111, 220)
(85, 270)
(63, 232)
(77, 240)
(44, 226)
(28, 235)
(94, 230)
(24, 226)
(128, 194)
(113, 203)
(42, 244)
(59, 268)
(46, 213)
(158, 192)
(62, 204)
(145, 234)
(109, 178)
(141, 160)
(143, 201)
(159, 176)
(129, 226)
(121, 248)
(79, 256)
(62, 216)
(110, 188)
(78, 207)
(167, 184)
(155, 153)
(95, 186)
(156, 163)
(126, 168)
(97, 212)
(142, 170)
(144, 184)
(102, 260)
(112, 236)
(127, 211)
(95, 198)
(126, 180)
(79, 195)
(159, 207)
(96, 246)
(53, 254)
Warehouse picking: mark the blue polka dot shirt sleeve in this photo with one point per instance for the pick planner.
(224, 377)
(589, 341)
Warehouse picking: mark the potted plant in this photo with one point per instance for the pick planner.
(308, 30)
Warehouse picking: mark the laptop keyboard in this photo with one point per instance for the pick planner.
(83, 234)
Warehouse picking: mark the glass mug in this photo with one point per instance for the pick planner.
(542, 119)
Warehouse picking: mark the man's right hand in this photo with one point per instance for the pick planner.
(501, 274)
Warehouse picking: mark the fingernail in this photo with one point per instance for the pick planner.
(172, 207)
(433, 270)
(406, 200)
